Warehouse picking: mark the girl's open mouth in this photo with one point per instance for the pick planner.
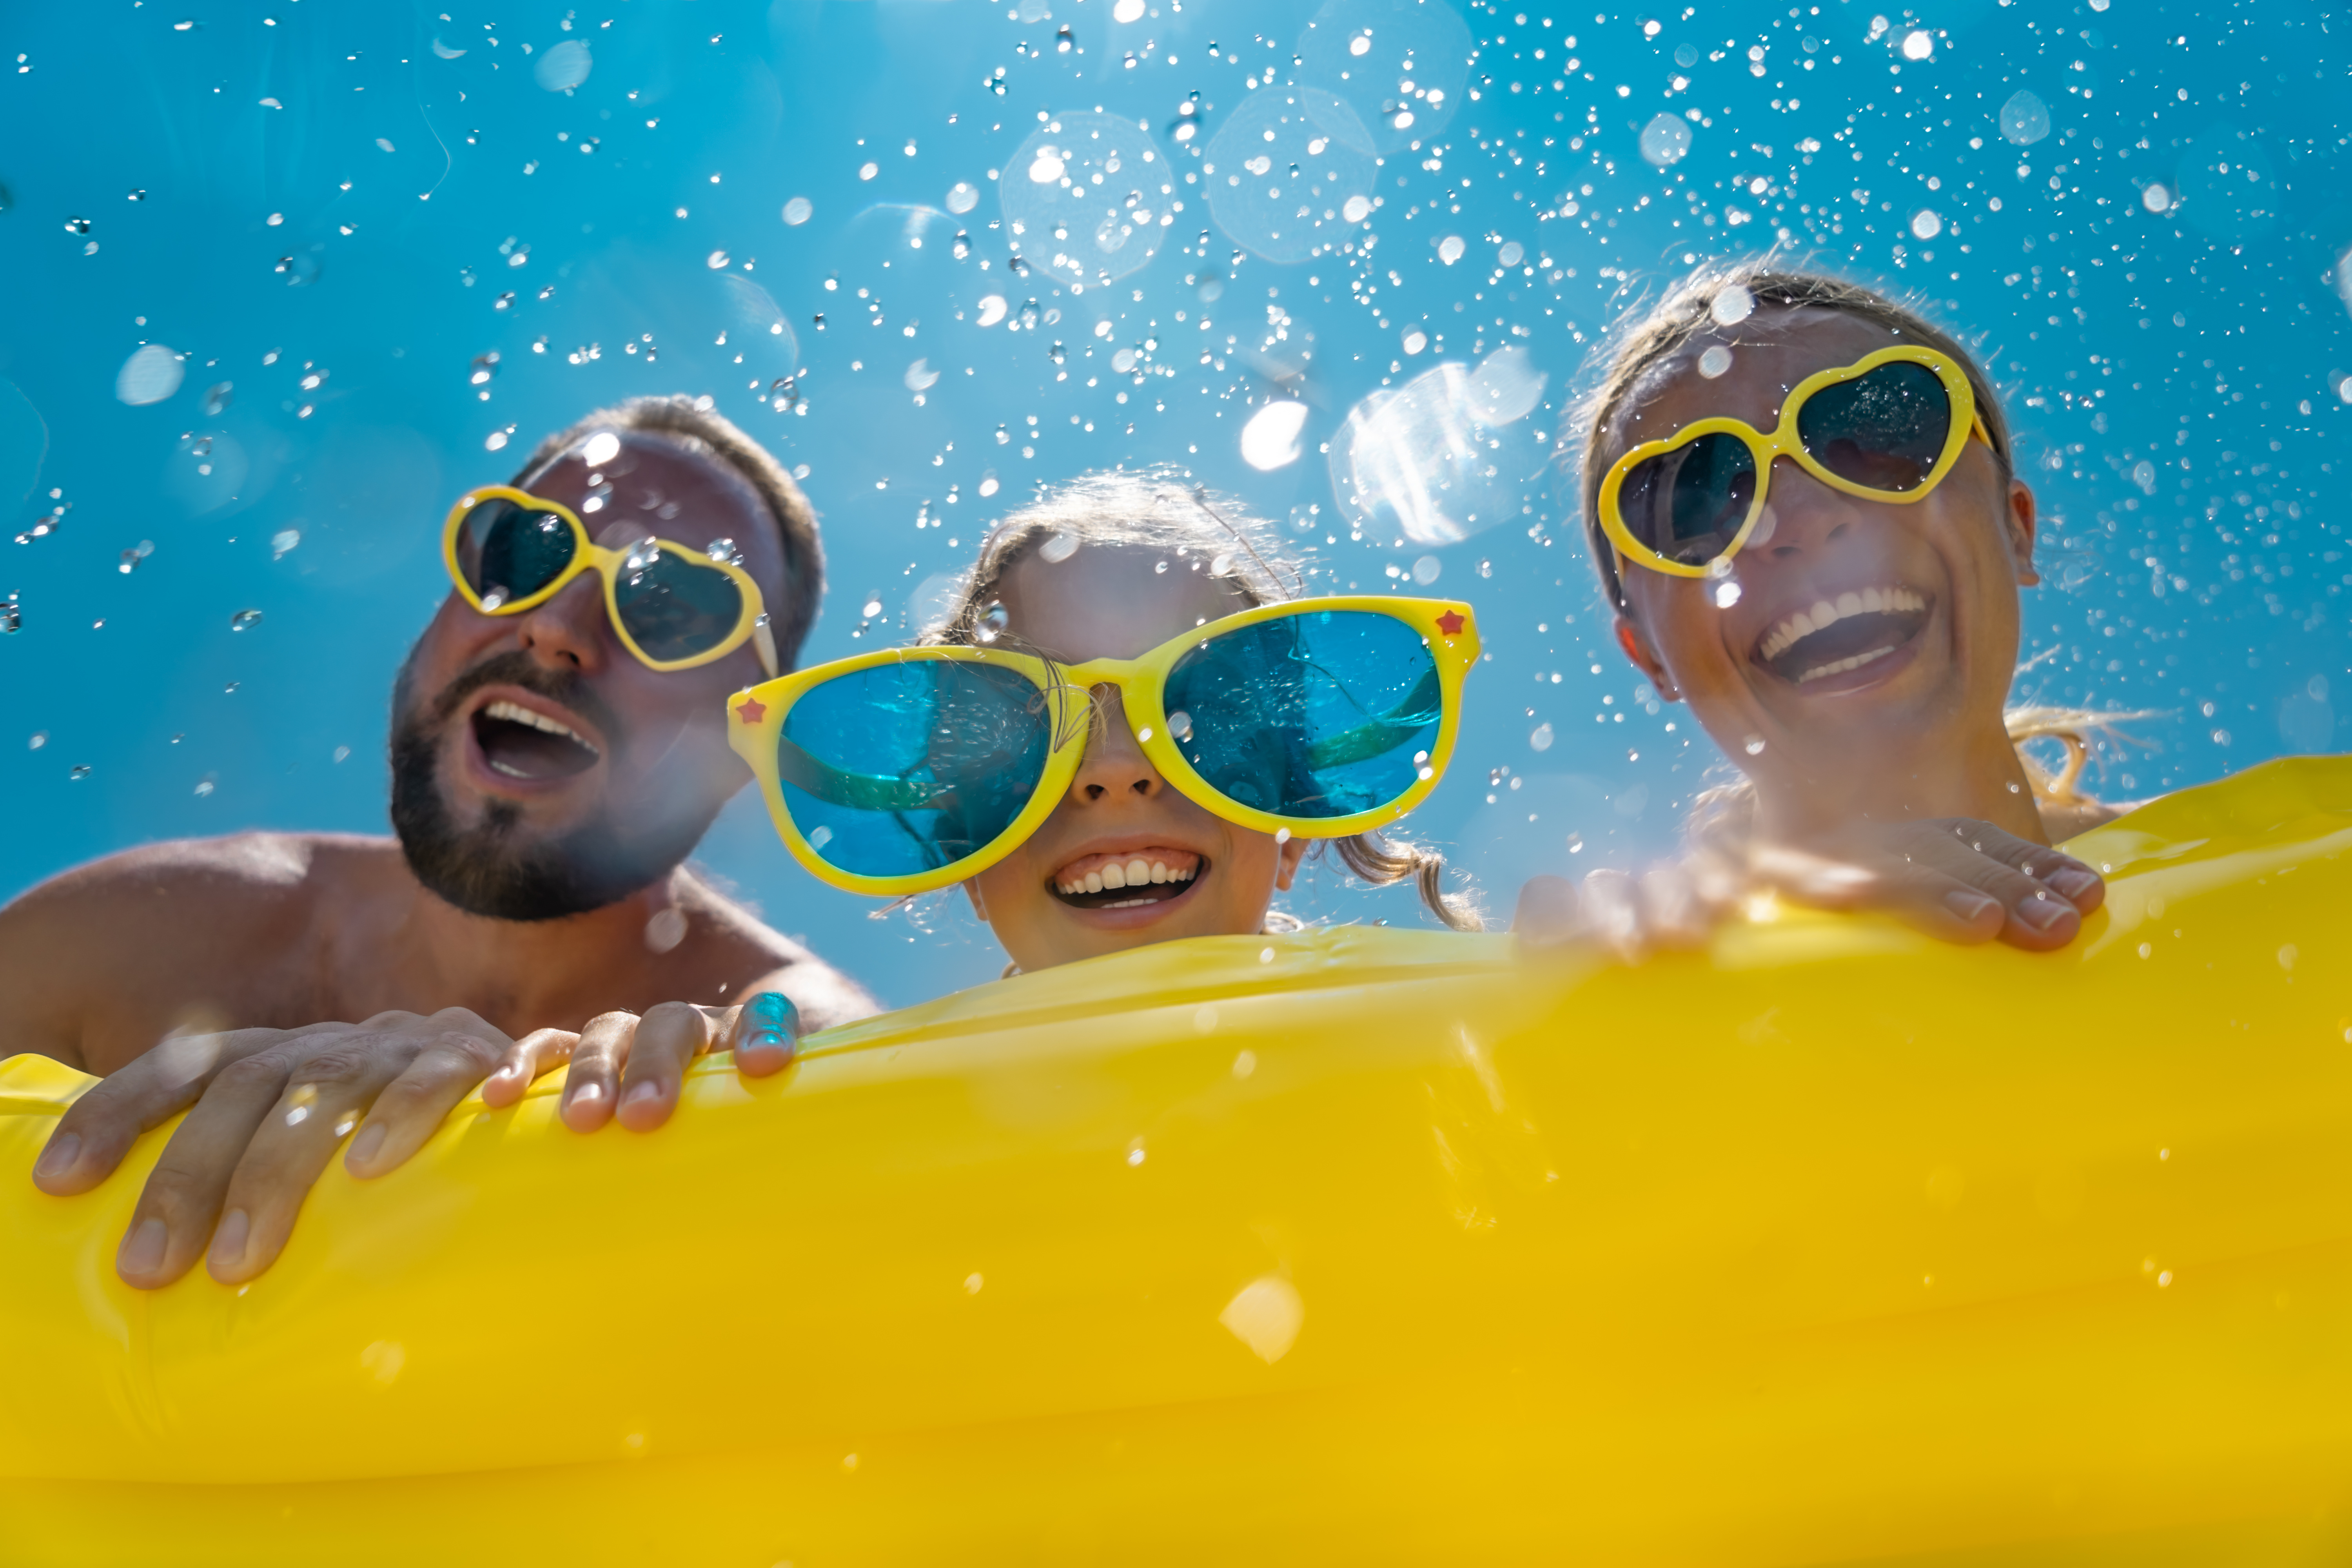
(1835, 636)
(1129, 878)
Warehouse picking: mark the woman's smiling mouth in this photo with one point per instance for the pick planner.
(1834, 637)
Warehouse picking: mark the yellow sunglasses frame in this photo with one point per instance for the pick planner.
(755, 720)
(587, 555)
(1783, 443)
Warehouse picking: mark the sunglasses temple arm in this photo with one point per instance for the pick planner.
(763, 637)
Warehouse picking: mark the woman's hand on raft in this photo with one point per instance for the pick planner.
(1955, 879)
(268, 1108)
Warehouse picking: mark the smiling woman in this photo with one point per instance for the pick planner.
(1802, 503)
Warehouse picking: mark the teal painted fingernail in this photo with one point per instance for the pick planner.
(771, 1012)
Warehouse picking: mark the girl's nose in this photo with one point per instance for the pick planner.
(1115, 767)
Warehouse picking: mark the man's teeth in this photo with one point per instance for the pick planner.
(1840, 665)
(1134, 873)
(515, 714)
(1805, 623)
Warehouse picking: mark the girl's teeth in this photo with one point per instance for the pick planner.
(1113, 876)
(1095, 883)
(1137, 874)
(1159, 872)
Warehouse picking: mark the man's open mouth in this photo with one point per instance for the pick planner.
(524, 744)
(1832, 637)
(1129, 878)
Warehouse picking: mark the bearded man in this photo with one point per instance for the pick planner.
(558, 749)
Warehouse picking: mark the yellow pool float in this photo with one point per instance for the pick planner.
(1829, 1245)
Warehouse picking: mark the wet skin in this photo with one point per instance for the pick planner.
(1108, 602)
(1916, 730)
(281, 929)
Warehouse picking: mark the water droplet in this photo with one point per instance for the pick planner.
(1919, 44)
(564, 66)
(1450, 249)
(492, 600)
(1753, 745)
(992, 622)
(134, 555)
(486, 366)
(715, 260)
(1160, 568)
(1540, 738)
(820, 837)
(962, 197)
(40, 738)
(1731, 305)
(642, 555)
(600, 448)
(1511, 253)
(151, 375)
(872, 608)
(1179, 725)
(1028, 316)
(921, 377)
(1715, 361)
(724, 551)
(1270, 439)
(1425, 570)
(1926, 225)
(2024, 118)
(992, 310)
(244, 620)
(1686, 56)
(798, 211)
(2155, 197)
(962, 246)
(300, 271)
(80, 771)
(1727, 594)
(1414, 342)
(1356, 209)
(217, 397)
(1057, 547)
(284, 540)
(1666, 140)
(205, 787)
(77, 226)
(784, 394)
(1055, 352)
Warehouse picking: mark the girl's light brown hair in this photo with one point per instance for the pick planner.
(1163, 510)
(1650, 334)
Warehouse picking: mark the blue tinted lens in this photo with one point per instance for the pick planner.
(906, 768)
(1323, 714)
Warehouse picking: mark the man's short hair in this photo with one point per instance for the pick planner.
(692, 424)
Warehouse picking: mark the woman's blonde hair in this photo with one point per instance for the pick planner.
(1163, 509)
(1648, 335)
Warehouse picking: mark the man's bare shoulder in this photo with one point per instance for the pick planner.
(267, 868)
(148, 932)
(750, 948)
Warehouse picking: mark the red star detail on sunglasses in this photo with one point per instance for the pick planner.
(1450, 623)
(751, 710)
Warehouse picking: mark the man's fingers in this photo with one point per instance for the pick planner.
(326, 1093)
(173, 1218)
(100, 1128)
(411, 1107)
(539, 1052)
(593, 1084)
(668, 1037)
(764, 1033)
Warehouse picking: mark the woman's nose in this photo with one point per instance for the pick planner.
(1115, 767)
(1800, 513)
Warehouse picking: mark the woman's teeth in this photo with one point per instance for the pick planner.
(1825, 614)
(1839, 666)
(1134, 872)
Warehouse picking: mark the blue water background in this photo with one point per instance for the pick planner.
(293, 187)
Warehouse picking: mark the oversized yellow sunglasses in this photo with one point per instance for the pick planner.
(1888, 427)
(910, 769)
(674, 607)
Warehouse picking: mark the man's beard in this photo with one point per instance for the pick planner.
(490, 868)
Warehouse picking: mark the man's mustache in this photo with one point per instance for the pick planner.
(515, 668)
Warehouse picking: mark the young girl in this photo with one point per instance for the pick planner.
(1801, 504)
(1099, 753)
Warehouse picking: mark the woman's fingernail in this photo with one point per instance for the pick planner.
(2073, 881)
(1967, 905)
(587, 1093)
(763, 1040)
(365, 1146)
(228, 1242)
(2041, 911)
(642, 1092)
(143, 1250)
(59, 1156)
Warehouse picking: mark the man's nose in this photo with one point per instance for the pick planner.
(1115, 767)
(569, 631)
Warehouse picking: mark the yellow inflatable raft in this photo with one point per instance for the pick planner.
(1829, 1246)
